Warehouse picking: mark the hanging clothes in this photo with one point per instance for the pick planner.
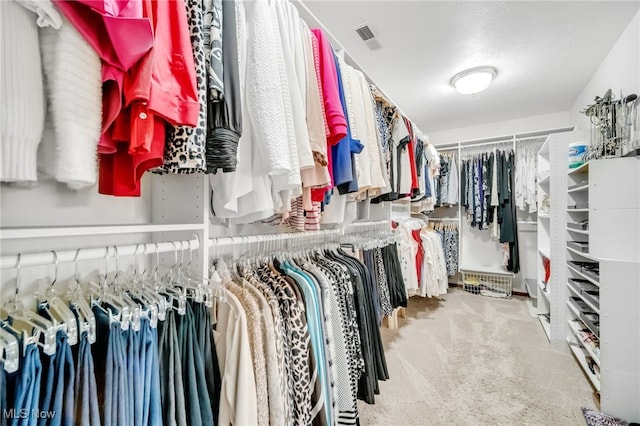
(422, 258)
(488, 193)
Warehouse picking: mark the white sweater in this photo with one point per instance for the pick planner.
(22, 102)
(72, 73)
(73, 85)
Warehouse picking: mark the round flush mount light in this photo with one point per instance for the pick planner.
(473, 80)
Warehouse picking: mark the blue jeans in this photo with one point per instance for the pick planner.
(148, 405)
(3, 394)
(56, 391)
(109, 354)
(171, 386)
(87, 412)
(26, 389)
(193, 372)
(204, 335)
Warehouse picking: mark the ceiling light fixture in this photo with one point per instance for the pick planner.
(473, 80)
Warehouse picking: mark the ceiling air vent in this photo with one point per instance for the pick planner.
(366, 34)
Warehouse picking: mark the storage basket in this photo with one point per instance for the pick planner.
(492, 284)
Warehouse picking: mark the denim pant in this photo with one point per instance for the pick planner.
(56, 391)
(193, 372)
(87, 412)
(204, 335)
(148, 409)
(109, 354)
(185, 396)
(26, 389)
(3, 394)
(171, 386)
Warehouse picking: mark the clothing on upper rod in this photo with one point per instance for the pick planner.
(330, 140)
(488, 197)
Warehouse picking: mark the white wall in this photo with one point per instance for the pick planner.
(502, 128)
(619, 71)
(477, 248)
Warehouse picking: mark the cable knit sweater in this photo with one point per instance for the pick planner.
(37, 38)
(22, 104)
(72, 69)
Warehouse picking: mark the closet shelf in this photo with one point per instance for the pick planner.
(545, 180)
(579, 295)
(76, 231)
(546, 326)
(582, 169)
(575, 329)
(580, 355)
(544, 216)
(573, 310)
(578, 210)
(583, 276)
(585, 255)
(579, 188)
(578, 231)
(542, 291)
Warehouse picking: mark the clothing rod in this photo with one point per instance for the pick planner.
(494, 143)
(440, 219)
(445, 146)
(517, 136)
(95, 253)
(316, 236)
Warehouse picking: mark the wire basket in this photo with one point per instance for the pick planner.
(488, 284)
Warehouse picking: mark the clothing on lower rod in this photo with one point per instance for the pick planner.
(57, 385)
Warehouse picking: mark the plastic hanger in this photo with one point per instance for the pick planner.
(105, 298)
(151, 281)
(147, 296)
(9, 351)
(176, 298)
(34, 328)
(131, 310)
(78, 303)
(59, 311)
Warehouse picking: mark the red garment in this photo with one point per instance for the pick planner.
(335, 121)
(160, 88)
(412, 156)
(419, 255)
(116, 29)
(330, 92)
(120, 34)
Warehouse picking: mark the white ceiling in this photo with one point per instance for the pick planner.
(545, 52)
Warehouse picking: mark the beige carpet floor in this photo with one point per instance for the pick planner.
(474, 360)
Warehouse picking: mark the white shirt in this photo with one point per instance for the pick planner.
(238, 399)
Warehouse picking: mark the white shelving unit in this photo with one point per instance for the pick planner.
(611, 190)
(544, 241)
(577, 182)
(552, 194)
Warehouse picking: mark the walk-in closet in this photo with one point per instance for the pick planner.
(304, 212)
